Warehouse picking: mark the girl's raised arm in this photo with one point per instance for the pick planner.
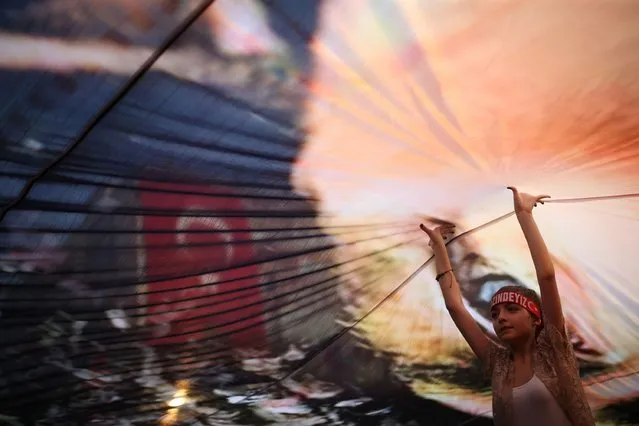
(473, 334)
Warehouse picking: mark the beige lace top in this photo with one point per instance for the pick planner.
(555, 365)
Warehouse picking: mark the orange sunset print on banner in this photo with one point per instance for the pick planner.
(537, 94)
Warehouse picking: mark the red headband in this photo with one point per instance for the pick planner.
(518, 298)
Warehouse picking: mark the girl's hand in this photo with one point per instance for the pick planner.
(524, 203)
(438, 235)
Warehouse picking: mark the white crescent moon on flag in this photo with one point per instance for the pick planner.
(215, 223)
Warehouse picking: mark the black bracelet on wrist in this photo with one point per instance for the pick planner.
(439, 276)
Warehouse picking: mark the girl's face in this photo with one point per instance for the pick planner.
(512, 323)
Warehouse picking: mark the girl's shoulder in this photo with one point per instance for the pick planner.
(554, 342)
(553, 346)
(555, 349)
(497, 359)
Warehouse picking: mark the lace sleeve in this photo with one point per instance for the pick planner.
(556, 347)
(557, 337)
(492, 355)
(557, 343)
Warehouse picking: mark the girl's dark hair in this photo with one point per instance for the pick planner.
(528, 292)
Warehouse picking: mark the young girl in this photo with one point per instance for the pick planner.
(535, 376)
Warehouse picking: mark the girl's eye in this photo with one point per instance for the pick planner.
(512, 308)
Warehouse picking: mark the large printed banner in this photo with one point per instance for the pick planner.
(359, 119)
(197, 287)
